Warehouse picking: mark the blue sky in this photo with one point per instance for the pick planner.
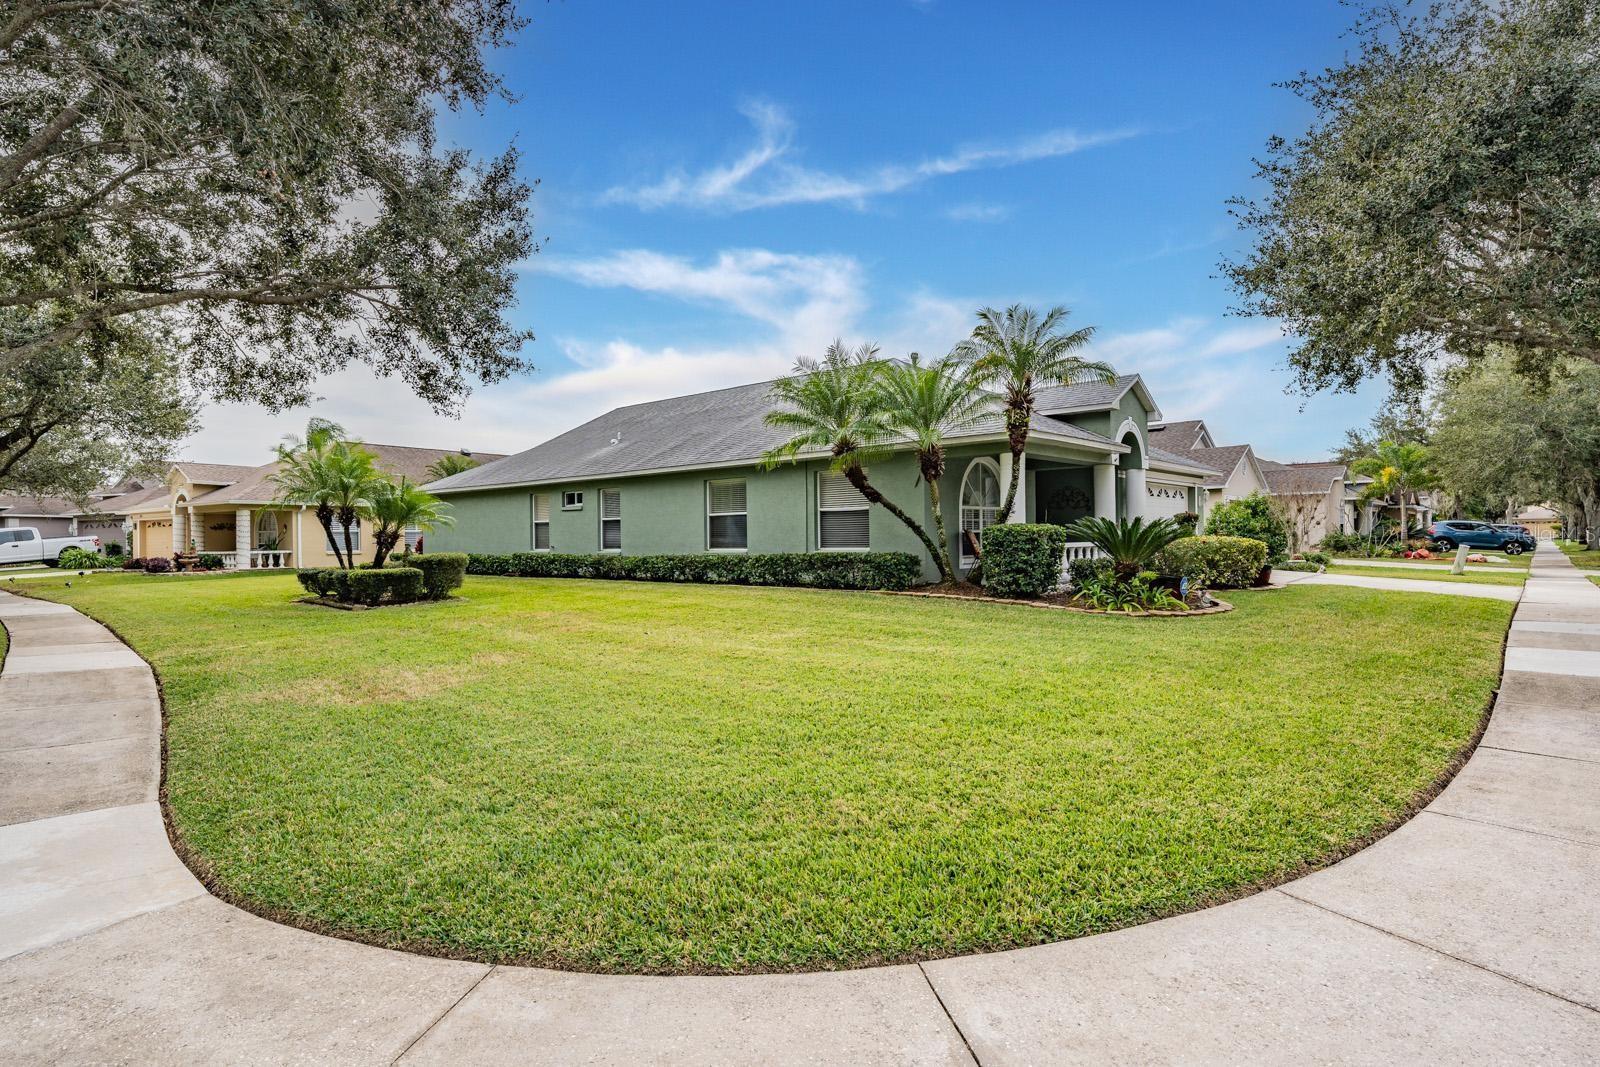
(725, 187)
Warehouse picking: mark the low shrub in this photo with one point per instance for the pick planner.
(1319, 558)
(394, 585)
(441, 571)
(1143, 592)
(158, 565)
(1023, 559)
(816, 570)
(1343, 542)
(325, 581)
(113, 548)
(1082, 572)
(81, 559)
(1188, 522)
(210, 561)
(1300, 565)
(1253, 517)
(133, 563)
(1214, 562)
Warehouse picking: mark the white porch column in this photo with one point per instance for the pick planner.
(196, 534)
(1105, 491)
(1138, 500)
(177, 530)
(242, 541)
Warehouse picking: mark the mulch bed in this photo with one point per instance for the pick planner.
(1059, 601)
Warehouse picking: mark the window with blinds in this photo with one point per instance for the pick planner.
(610, 519)
(541, 522)
(338, 535)
(727, 520)
(412, 536)
(841, 513)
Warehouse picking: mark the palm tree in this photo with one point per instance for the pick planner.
(922, 404)
(393, 506)
(352, 480)
(835, 406)
(302, 477)
(1130, 545)
(448, 464)
(1397, 470)
(1022, 351)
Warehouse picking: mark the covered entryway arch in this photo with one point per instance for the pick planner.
(1131, 490)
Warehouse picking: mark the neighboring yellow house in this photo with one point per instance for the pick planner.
(229, 511)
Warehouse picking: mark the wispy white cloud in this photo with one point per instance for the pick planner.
(766, 175)
(978, 212)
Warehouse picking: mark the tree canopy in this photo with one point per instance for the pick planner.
(1444, 201)
(265, 182)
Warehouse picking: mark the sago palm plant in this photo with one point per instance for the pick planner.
(1130, 546)
(922, 403)
(1020, 351)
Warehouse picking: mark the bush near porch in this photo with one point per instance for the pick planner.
(1023, 559)
(672, 778)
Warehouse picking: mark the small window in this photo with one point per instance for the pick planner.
(611, 520)
(541, 522)
(727, 521)
(412, 535)
(842, 522)
(338, 536)
(572, 501)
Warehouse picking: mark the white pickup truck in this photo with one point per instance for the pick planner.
(22, 544)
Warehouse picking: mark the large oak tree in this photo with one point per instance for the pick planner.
(1446, 199)
(264, 178)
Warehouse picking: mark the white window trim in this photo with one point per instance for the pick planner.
(993, 467)
(534, 524)
(572, 507)
(819, 509)
(355, 541)
(603, 520)
(719, 514)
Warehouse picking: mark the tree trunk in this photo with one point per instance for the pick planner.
(1018, 438)
(930, 475)
(1591, 520)
(383, 542)
(325, 519)
(346, 517)
(1405, 530)
(858, 478)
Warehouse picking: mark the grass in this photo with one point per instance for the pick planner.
(1580, 555)
(631, 777)
(1514, 563)
(1441, 574)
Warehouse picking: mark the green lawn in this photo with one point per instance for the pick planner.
(1581, 556)
(632, 777)
(1513, 563)
(1440, 574)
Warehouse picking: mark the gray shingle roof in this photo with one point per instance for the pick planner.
(1301, 479)
(257, 486)
(723, 427)
(1222, 460)
(1088, 396)
(1178, 436)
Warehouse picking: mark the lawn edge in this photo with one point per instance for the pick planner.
(203, 871)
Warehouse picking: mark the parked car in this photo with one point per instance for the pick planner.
(22, 544)
(1446, 534)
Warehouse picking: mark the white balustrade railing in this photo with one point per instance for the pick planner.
(1074, 551)
(259, 559)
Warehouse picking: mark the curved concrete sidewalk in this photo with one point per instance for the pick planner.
(1512, 593)
(1471, 934)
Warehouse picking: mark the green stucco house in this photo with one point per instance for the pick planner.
(684, 475)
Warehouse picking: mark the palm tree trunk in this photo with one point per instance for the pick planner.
(325, 520)
(858, 478)
(1405, 530)
(1018, 437)
(930, 475)
(346, 517)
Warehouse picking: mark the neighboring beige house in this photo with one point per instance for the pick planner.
(1237, 472)
(1311, 498)
(1542, 520)
(59, 517)
(229, 510)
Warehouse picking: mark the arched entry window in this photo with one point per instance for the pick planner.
(267, 530)
(980, 505)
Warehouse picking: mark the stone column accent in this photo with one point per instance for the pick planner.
(197, 534)
(1105, 491)
(1138, 500)
(1019, 509)
(177, 531)
(242, 541)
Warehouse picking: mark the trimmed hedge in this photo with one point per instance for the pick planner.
(1023, 559)
(1254, 517)
(390, 585)
(1214, 562)
(441, 571)
(815, 570)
